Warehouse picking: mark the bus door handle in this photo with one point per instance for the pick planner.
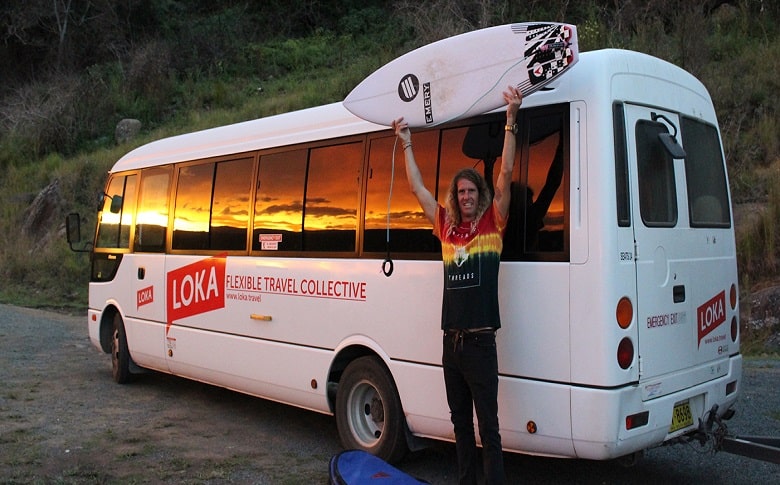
(141, 273)
(678, 293)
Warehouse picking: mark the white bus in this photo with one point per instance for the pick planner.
(255, 257)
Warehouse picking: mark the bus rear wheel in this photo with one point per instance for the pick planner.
(368, 410)
(120, 355)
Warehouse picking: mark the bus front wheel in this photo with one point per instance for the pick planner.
(120, 355)
(368, 410)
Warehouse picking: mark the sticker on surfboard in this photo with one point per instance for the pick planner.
(465, 75)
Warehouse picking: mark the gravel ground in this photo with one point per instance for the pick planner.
(63, 420)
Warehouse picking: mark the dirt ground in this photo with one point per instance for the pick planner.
(64, 420)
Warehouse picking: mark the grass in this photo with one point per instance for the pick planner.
(758, 234)
(20, 447)
(753, 342)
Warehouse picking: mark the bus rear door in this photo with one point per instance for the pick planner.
(679, 269)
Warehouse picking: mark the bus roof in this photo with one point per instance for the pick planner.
(318, 123)
(600, 69)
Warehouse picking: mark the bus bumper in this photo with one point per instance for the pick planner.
(597, 438)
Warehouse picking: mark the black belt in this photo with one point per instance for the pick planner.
(460, 335)
(470, 331)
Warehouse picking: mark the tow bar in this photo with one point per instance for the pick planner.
(764, 448)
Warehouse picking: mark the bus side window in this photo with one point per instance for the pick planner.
(410, 231)
(192, 207)
(278, 224)
(230, 204)
(152, 214)
(622, 192)
(212, 206)
(705, 175)
(543, 201)
(332, 198)
(537, 225)
(657, 188)
(114, 228)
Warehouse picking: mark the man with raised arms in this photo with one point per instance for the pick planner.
(470, 227)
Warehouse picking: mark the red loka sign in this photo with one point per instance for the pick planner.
(144, 296)
(196, 288)
(711, 314)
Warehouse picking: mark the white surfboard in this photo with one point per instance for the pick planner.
(465, 75)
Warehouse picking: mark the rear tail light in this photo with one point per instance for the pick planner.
(624, 313)
(734, 328)
(733, 296)
(625, 353)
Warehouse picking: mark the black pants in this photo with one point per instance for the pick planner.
(471, 378)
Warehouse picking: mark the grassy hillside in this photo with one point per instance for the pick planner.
(59, 127)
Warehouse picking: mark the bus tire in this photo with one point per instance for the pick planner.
(120, 355)
(369, 416)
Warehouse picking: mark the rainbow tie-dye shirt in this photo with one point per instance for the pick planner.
(471, 256)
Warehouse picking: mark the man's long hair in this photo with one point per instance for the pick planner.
(483, 200)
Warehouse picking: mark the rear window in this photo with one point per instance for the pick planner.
(657, 188)
(705, 175)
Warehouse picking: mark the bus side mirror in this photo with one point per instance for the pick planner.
(73, 231)
(116, 204)
(669, 140)
(670, 144)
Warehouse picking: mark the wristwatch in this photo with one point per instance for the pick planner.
(512, 128)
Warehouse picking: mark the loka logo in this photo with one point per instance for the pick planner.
(144, 296)
(408, 88)
(710, 315)
(196, 288)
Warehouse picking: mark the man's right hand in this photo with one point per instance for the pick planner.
(401, 129)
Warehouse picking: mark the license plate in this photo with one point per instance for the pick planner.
(681, 416)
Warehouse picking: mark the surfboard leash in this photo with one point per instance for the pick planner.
(387, 264)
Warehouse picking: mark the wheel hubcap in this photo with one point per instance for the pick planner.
(367, 414)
